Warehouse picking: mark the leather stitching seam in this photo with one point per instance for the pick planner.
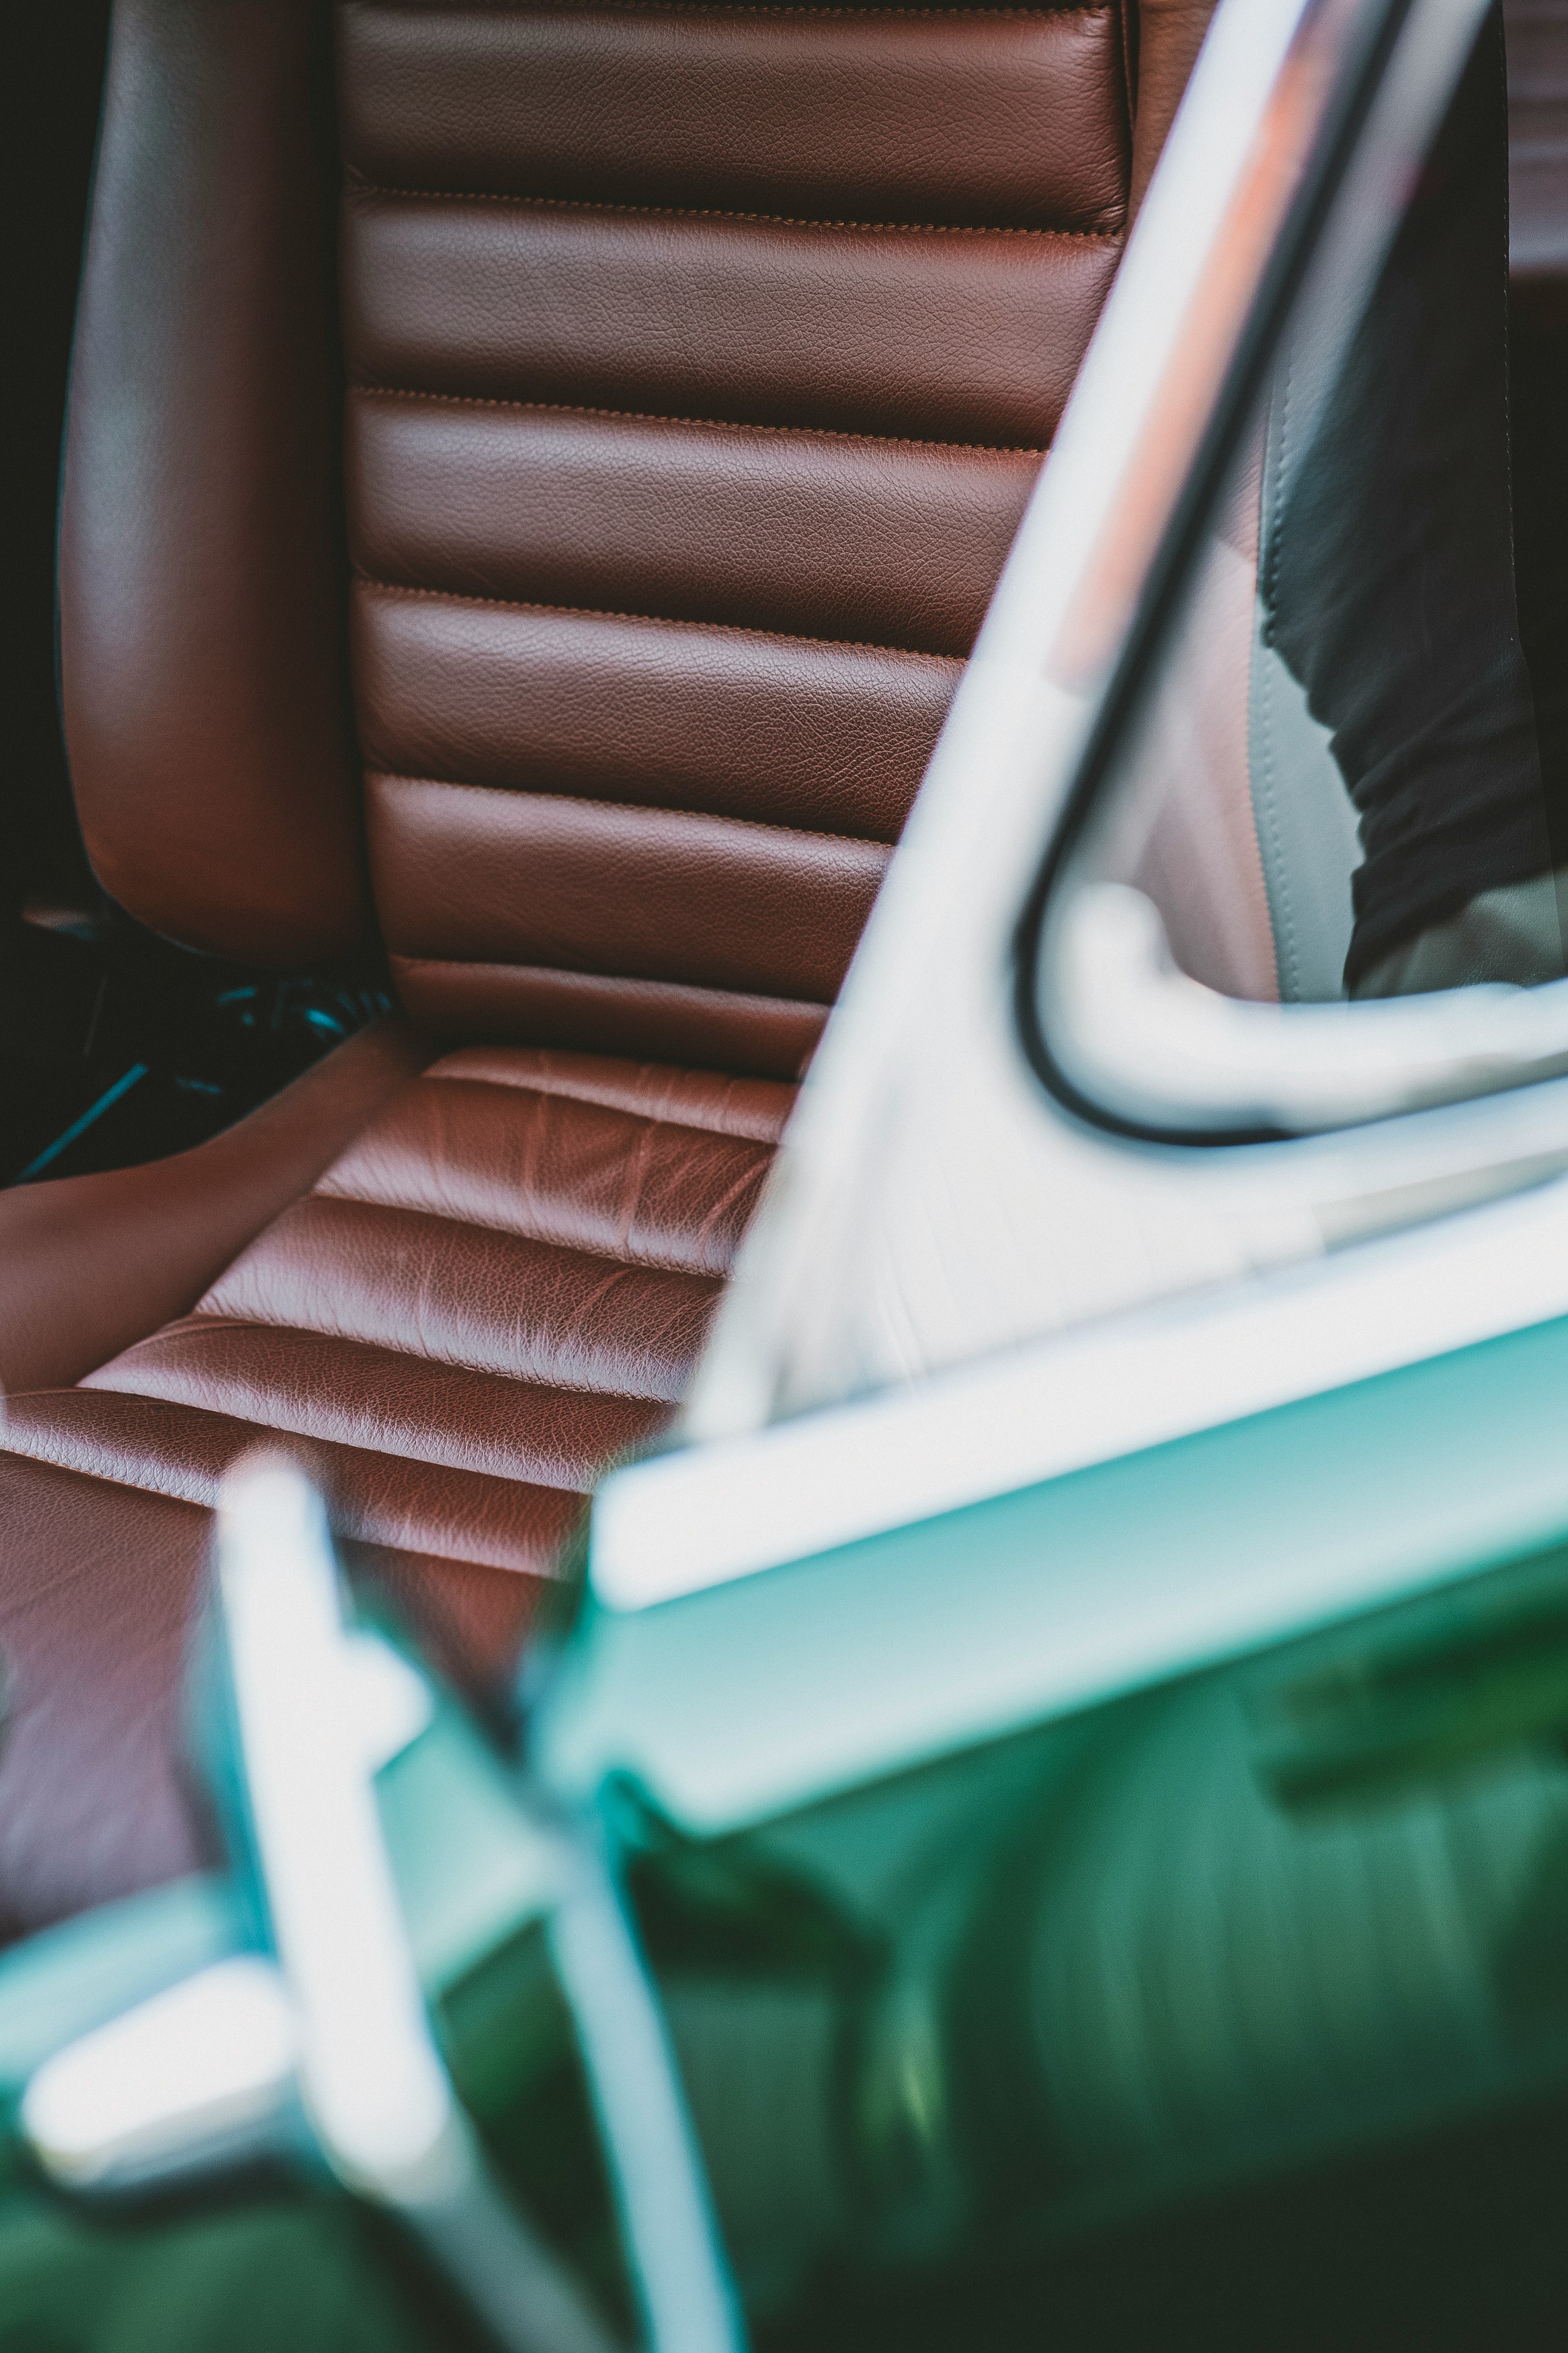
(441, 1074)
(549, 1241)
(539, 1241)
(659, 620)
(112, 1478)
(169, 1494)
(782, 8)
(546, 1095)
(704, 423)
(752, 997)
(619, 809)
(358, 188)
(220, 1320)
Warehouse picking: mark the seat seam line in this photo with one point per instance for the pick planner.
(657, 621)
(275, 1429)
(111, 1479)
(749, 997)
(786, 8)
(356, 187)
(706, 424)
(593, 1103)
(511, 1233)
(173, 1494)
(653, 808)
(220, 1320)
(512, 1087)
(471, 1225)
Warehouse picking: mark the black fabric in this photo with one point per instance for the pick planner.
(1389, 579)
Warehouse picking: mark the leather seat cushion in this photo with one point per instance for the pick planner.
(500, 1285)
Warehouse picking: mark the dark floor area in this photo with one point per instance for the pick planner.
(116, 1048)
(1457, 2244)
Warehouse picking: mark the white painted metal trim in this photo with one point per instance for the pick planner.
(686, 1521)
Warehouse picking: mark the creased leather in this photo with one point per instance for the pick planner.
(452, 1293)
(378, 1496)
(580, 1176)
(508, 1232)
(90, 1263)
(506, 1273)
(758, 1109)
(496, 1287)
(721, 1029)
(348, 1392)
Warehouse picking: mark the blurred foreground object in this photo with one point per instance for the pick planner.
(1096, 1908)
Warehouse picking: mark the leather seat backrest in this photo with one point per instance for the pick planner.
(698, 365)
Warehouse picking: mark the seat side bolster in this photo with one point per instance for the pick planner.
(203, 660)
(90, 1264)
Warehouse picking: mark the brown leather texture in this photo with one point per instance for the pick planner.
(701, 361)
(495, 1288)
(877, 113)
(97, 1597)
(668, 894)
(788, 731)
(720, 1028)
(103, 1583)
(883, 541)
(200, 562)
(90, 1263)
(508, 1275)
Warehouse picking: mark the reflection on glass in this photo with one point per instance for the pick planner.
(1334, 785)
(1209, 1934)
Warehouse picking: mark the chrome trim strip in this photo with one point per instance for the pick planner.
(195, 2079)
(372, 2082)
(1138, 1035)
(686, 1521)
(744, 1705)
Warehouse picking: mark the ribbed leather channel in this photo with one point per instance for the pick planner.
(701, 361)
(498, 1288)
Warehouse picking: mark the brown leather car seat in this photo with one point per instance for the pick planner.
(698, 363)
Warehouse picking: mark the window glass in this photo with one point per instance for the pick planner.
(1331, 788)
